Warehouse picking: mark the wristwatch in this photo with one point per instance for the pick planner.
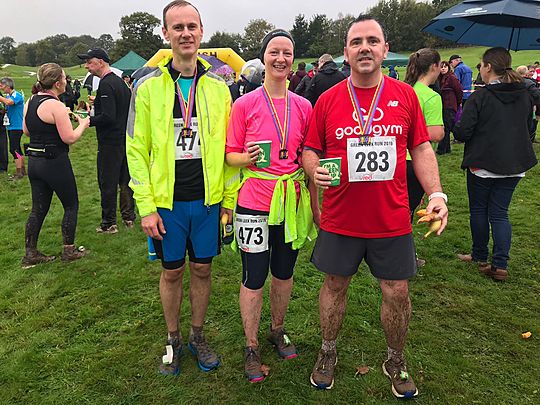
(438, 194)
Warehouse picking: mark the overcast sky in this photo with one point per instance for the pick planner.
(30, 20)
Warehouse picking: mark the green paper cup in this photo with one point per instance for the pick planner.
(333, 165)
(263, 160)
(82, 113)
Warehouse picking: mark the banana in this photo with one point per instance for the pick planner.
(224, 221)
(434, 227)
(427, 218)
(421, 212)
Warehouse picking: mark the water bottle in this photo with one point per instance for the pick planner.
(228, 234)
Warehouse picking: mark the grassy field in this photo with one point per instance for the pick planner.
(92, 331)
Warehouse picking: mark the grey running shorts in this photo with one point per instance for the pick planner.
(388, 258)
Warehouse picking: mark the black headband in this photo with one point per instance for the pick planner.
(271, 35)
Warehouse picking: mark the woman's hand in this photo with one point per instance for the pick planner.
(85, 122)
(253, 151)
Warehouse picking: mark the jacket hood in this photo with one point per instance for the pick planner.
(507, 93)
(329, 68)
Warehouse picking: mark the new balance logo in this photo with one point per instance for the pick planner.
(392, 103)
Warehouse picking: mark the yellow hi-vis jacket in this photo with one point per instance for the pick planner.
(150, 143)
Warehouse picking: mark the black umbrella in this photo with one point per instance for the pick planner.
(512, 24)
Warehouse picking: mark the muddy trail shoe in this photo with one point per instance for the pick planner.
(283, 345)
(72, 253)
(252, 364)
(35, 257)
(129, 224)
(322, 376)
(170, 362)
(402, 384)
(207, 358)
(107, 229)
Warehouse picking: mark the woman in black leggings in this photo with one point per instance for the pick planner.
(47, 123)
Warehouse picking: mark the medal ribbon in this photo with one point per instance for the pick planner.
(365, 127)
(186, 106)
(282, 131)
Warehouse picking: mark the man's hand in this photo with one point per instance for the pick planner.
(152, 226)
(322, 178)
(227, 211)
(438, 205)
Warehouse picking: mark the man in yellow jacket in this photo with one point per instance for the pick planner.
(176, 148)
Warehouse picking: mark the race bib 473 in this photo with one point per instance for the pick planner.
(371, 159)
(251, 232)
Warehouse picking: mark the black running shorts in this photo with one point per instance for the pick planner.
(388, 258)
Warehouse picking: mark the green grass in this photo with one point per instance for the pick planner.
(92, 331)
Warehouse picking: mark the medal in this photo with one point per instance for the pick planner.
(282, 131)
(186, 106)
(365, 127)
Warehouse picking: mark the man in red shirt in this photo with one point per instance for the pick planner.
(369, 121)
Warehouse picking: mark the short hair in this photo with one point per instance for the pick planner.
(179, 3)
(522, 70)
(8, 81)
(325, 57)
(302, 66)
(365, 17)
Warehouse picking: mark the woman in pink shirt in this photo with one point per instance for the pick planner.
(273, 216)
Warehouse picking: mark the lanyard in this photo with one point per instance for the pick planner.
(364, 126)
(282, 131)
(186, 106)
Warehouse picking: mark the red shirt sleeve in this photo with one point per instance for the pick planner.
(236, 129)
(418, 132)
(315, 138)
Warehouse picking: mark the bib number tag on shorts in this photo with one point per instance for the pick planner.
(5, 122)
(372, 161)
(251, 232)
(187, 147)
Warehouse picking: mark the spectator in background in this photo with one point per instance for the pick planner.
(251, 76)
(536, 74)
(68, 97)
(111, 107)
(327, 76)
(13, 121)
(495, 128)
(76, 91)
(298, 76)
(346, 68)
(534, 92)
(392, 72)
(463, 74)
(3, 140)
(451, 93)
(306, 80)
(478, 82)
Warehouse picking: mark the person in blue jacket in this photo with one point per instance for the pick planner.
(464, 75)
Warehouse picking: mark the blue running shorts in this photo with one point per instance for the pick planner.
(190, 225)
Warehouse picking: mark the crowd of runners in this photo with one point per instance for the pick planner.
(199, 164)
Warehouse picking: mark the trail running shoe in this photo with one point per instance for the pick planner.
(170, 362)
(282, 343)
(402, 384)
(35, 257)
(72, 253)
(252, 364)
(107, 229)
(207, 359)
(322, 376)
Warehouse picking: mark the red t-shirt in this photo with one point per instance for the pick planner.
(367, 209)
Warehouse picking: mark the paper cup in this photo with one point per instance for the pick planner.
(333, 165)
(263, 160)
(82, 113)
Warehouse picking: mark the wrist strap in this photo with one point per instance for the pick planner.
(438, 194)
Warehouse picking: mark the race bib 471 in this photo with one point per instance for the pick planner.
(371, 158)
(187, 147)
(251, 232)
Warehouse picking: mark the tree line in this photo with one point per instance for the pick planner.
(313, 35)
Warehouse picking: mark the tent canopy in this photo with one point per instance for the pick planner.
(394, 59)
(129, 63)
